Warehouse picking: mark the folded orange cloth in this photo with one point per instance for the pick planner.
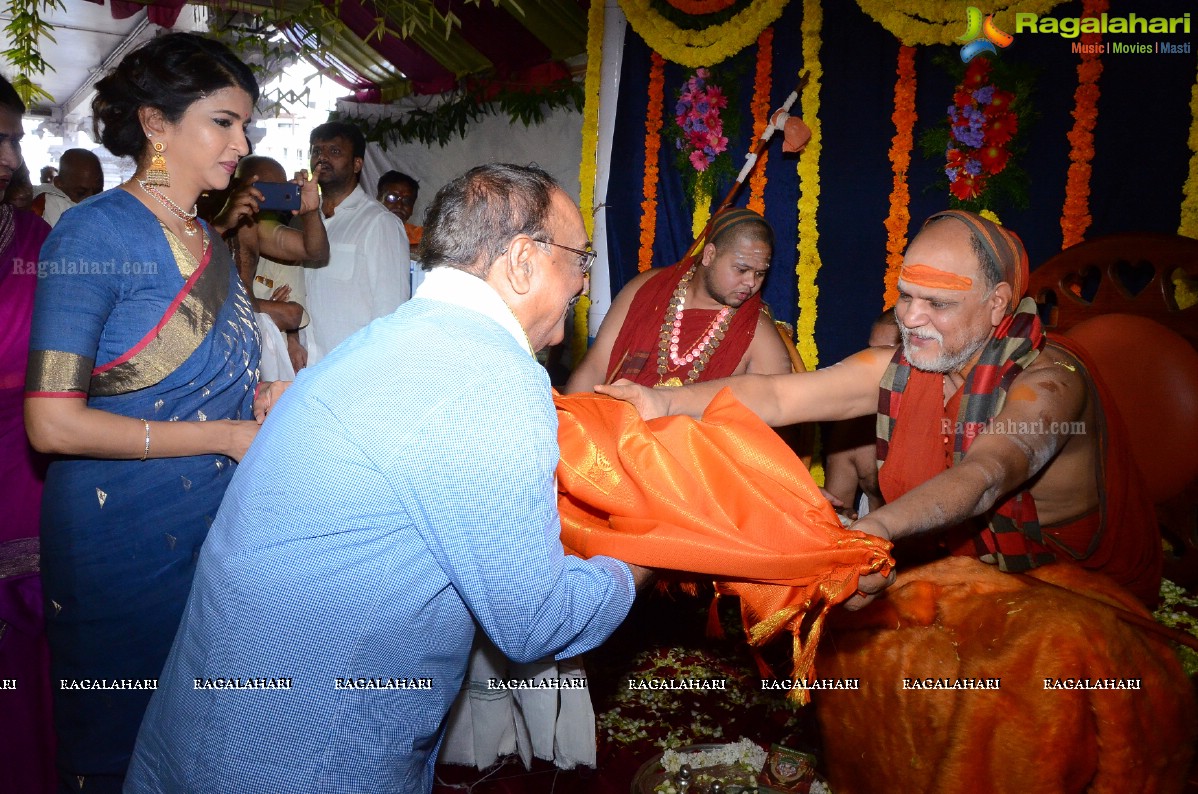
(722, 498)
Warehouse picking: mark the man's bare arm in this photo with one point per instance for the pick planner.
(767, 354)
(287, 315)
(1042, 405)
(843, 391)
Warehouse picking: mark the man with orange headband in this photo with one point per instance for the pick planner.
(700, 319)
(994, 441)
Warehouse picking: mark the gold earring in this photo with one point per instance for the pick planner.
(158, 176)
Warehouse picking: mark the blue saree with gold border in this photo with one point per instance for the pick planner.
(126, 319)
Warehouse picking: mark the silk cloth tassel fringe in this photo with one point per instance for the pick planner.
(720, 498)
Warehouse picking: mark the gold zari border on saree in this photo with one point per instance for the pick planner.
(180, 335)
(57, 372)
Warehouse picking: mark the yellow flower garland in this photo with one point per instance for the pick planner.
(808, 170)
(702, 212)
(706, 46)
(590, 114)
(653, 122)
(942, 21)
(1075, 214)
(586, 171)
(762, 84)
(899, 220)
(1189, 204)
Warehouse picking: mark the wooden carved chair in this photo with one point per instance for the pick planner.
(1118, 281)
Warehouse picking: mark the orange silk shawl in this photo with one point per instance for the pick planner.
(722, 498)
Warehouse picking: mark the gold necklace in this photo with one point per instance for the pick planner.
(190, 227)
(668, 350)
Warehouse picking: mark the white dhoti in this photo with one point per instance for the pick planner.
(488, 721)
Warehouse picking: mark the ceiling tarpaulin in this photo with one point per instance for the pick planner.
(507, 42)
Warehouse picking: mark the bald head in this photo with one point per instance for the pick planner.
(79, 174)
(1000, 252)
(256, 165)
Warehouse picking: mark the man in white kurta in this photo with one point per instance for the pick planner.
(368, 274)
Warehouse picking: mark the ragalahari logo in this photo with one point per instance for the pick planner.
(981, 35)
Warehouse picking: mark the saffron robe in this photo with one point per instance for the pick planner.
(1123, 543)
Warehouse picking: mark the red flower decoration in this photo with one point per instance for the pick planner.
(1001, 129)
(993, 158)
(966, 187)
(977, 73)
(1000, 102)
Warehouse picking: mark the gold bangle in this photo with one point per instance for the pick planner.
(146, 453)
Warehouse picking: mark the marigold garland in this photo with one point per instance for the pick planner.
(589, 166)
(653, 123)
(590, 114)
(762, 85)
(702, 212)
(1075, 215)
(808, 170)
(706, 46)
(941, 21)
(1189, 204)
(899, 219)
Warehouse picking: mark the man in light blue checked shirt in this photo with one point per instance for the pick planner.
(400, 495)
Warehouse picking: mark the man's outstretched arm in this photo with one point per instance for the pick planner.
(843, 391)
(1024, 438)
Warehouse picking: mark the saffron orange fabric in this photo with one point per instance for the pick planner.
(960, 620)
(934, 278)
(722, 498)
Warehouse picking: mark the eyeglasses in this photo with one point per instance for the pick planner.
(585, 258)
(395, 198)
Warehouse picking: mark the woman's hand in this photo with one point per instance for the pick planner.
(281, 293)
(241, 435)
(309, 193)
(241, 208)
(267, 396)
(649, 403)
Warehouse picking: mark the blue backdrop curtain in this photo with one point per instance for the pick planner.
(1139, 167)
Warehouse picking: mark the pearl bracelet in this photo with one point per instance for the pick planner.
(146, 453)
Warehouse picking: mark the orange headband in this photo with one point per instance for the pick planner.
(932, 278)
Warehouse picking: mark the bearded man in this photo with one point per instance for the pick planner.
(994, 440)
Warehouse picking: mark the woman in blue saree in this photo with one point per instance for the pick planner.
(142, 371)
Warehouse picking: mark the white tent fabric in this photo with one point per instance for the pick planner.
(554, 145)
